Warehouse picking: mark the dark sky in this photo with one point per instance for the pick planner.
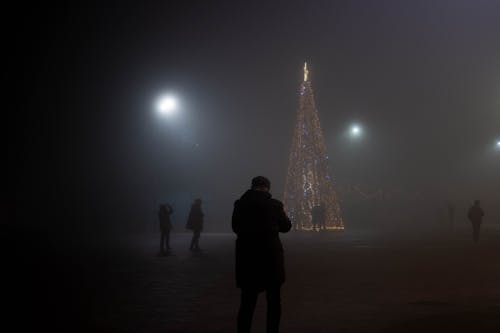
(85, 145)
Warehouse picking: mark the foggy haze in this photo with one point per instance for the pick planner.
(422, 78)
(91, 156)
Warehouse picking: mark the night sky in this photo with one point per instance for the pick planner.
(87, 150)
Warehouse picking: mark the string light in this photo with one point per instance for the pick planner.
(308, 181)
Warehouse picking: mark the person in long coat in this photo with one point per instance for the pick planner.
(257, 221)
(195, 223)
(165, 226)
(475, 215)
(318, 217)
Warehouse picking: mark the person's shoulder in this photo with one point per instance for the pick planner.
(237, 203)
(276, 203)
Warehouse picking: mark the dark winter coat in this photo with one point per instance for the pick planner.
(318, 215)
(164, 216)
(195, 218)
(475, 214)
(257, 220)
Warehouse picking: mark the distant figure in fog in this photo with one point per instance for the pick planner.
(165, 226)
(195, 223)
(475, 215)
(257, 221)
(318, 217)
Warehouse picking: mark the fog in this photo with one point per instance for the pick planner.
(422, 78)
(87, 149)
(90, 159)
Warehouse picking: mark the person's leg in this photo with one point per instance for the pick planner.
(247, 308)
(167, 239)
(162, 240)
(476, 232)
(273, 296)
(475, 227)
(197, 239)
(192, 240)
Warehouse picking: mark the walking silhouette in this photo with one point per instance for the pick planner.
(195, 223)
(165, 226)
(318, 217)
(475, 216)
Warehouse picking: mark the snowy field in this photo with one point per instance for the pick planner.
(355, 281)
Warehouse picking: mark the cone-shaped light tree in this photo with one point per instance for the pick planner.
(309, 183)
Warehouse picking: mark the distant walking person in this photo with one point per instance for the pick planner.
(257, 221)
(475, 215)
(318, 217)
(165, 226)
(195, 223)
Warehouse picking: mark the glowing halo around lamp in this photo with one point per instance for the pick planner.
(166, 105)
(355, 131)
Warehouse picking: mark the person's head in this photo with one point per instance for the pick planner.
(261, 183)
(197, 202)
(476, 202)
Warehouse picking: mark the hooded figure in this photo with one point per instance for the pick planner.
(257, 221)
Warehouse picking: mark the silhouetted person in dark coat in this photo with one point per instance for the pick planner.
(318, 217)
(257, 221)
(165, 226)
(195, 223)
(475, 215)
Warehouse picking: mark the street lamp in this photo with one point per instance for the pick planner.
(355, 131)
(166, 105)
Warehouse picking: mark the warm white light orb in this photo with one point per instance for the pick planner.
(498, 143)
(167, 104)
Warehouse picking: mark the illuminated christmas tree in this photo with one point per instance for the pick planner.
(309, 183)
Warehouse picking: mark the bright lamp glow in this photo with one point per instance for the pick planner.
(167, 104)
(355, 130)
